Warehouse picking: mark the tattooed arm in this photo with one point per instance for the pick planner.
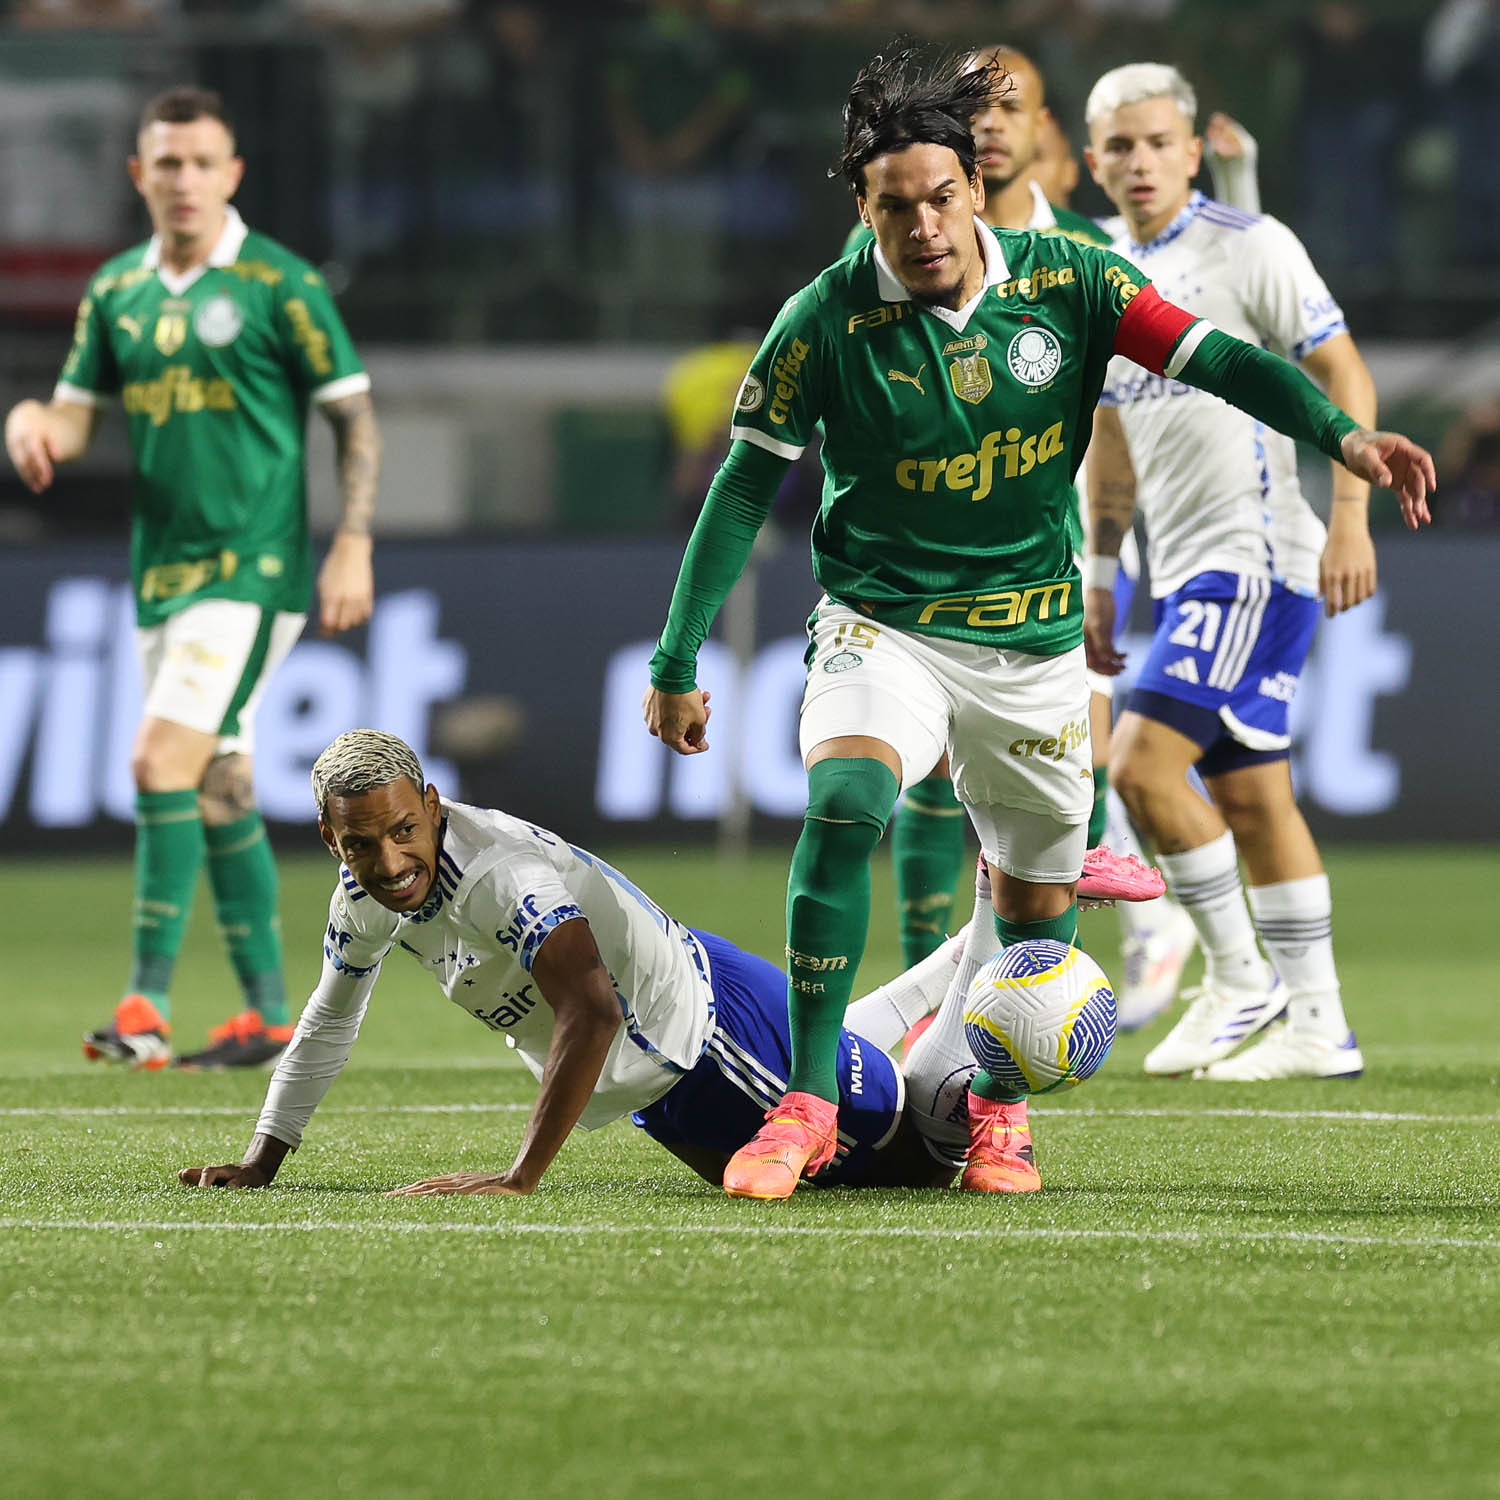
(346, 582)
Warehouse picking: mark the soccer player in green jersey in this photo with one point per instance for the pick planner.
(955, 369)
(214, 339)
(927, 836)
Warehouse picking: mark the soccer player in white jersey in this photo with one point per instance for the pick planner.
(617, 1008)
(1237, 560)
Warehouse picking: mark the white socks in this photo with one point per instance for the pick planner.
(886, 1014)
(1295, 921)
(940, 1065)
(1206, 881)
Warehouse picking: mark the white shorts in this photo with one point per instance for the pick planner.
(1015, 726)
(207, 666)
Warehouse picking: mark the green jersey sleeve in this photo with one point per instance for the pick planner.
(1112, 283)
(783, 395)
(319, 353)
(856, 239)
(1078, 227)
(89, 372)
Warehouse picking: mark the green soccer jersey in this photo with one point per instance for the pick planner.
(950, 441)
(215, 370)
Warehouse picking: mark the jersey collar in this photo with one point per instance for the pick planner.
(995, 271)
(225, 252)
(1043, 215)
(1188, 213)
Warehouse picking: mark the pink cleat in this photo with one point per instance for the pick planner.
(1001, 1159)
(1108, 877)
(799, 1137)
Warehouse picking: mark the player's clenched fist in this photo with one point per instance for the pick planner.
(678, 719)
(231, 1175)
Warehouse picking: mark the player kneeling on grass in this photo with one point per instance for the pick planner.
(616, 1007)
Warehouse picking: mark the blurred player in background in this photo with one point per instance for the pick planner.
(927, 833)
(214, 338)
(614, 1006)
(1237, 562)
(950, 365)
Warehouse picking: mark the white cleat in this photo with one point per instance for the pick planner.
(1289, 1052)
(1218, 1020)
(1153, 962)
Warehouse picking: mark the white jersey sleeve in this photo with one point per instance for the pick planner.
(1283, 294)
(359, 935)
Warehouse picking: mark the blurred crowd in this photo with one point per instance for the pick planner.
(480, 171)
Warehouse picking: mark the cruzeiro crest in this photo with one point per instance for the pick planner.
(1034, 356)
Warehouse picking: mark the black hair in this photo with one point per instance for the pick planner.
(916, 96)
(184, 104)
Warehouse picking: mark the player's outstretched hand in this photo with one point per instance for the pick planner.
(232, 1175)
(1395, 463)
(1225, 137)
(1346, 571)
(678, 719)
(1099, 647)
(30, 445)
(346, 584)
(461, 1182)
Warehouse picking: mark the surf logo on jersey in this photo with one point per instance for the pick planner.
(971, 378)
(787, 372)
(1043, 279)
(752, 395)
(1016, 453)
(171, 333)
(313, 340)
(1007, 607)
(218, 322)
(1034, 357)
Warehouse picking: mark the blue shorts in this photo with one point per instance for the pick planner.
(1124, 598)
(1224, 666)
(722, 1103)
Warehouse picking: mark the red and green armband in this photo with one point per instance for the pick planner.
(738, 502)
(1168, 341)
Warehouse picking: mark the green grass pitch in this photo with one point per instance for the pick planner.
(1225, 1291)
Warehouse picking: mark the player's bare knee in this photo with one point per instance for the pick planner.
(227, 791)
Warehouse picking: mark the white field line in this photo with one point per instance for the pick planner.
(1209, 1237)
(1053, 1115)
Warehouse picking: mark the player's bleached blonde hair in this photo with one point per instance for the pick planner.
(1135, 82)
(359, 761)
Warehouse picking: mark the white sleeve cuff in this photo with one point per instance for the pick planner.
(1188, 347)
(79, 395)
(336, 390)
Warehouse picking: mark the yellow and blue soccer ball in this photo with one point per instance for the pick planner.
(1040, 1016)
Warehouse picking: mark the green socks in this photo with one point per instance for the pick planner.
(1061, 929)
(927, 852)
(168, 855)
(242, 871)
(1100, 814)
(828, 910)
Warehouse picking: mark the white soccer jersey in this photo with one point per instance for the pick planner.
(502, 886)
(1217, 489)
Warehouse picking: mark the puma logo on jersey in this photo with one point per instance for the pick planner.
(1185, 669)
(130, 325)
(916, 380)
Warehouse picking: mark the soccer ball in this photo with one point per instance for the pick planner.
(1040, 1016)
